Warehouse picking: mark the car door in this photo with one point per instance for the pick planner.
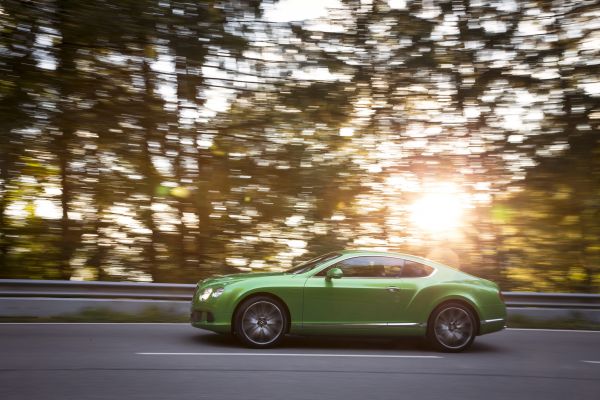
(368, 297)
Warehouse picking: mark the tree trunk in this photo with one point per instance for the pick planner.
(67, 110)
(152, 180)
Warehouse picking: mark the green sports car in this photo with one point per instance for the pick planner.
(352, 293)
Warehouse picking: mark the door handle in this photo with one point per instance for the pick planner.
(392, 289)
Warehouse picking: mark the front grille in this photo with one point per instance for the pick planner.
(202, 316)
(196, 316)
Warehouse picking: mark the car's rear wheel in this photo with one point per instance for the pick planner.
(452, 327)
(260, 322)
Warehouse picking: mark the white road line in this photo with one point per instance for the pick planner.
(591, 362)
(289, 355)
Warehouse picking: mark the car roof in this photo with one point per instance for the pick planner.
(391, 254)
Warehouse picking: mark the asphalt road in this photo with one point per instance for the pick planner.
(176, 361)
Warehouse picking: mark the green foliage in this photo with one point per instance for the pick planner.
(576, 321)
(551, 240)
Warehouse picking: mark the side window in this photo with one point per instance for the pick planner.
(393, 267)
(415, 270)
(368, 267)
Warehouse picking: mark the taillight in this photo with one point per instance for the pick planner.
(501, 296)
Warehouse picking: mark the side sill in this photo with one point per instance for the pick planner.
(367, 325)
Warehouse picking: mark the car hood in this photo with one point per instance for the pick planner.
(227, 279)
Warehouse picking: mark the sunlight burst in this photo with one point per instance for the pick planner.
(440, 212)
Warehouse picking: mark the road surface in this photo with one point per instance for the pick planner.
(176, 361)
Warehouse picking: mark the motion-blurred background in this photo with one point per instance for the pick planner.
(167, 140)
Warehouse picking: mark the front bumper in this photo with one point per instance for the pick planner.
(212, 314)
(207, 320)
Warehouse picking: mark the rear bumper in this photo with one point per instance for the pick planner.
(492, 325)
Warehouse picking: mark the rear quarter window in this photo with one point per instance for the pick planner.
(414, 269)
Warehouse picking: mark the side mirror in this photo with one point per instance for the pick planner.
(334, 273)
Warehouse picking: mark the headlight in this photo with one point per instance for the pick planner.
(217, 292)
(205, 294)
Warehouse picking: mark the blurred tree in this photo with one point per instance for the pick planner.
(550, 228)
(168, 141)
(16, 70)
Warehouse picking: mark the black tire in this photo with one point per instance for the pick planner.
(452, 327)
(260, 322)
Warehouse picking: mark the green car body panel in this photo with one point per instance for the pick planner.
(379, 306)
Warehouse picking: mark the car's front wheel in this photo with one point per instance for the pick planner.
(260, 322)
(451, 327)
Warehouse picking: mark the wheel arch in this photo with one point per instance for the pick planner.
(462, 300)
(247, 296)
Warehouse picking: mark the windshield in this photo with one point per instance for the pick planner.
(310, 264)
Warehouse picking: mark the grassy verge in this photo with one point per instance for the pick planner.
(574, 322)
(150, 314)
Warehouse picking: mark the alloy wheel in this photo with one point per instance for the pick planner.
(262, 323)
(453, 328)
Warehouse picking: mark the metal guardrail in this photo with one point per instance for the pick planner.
(552, 300)
(95, 290)
(184, 292)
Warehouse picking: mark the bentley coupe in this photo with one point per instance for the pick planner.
(352, 293)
